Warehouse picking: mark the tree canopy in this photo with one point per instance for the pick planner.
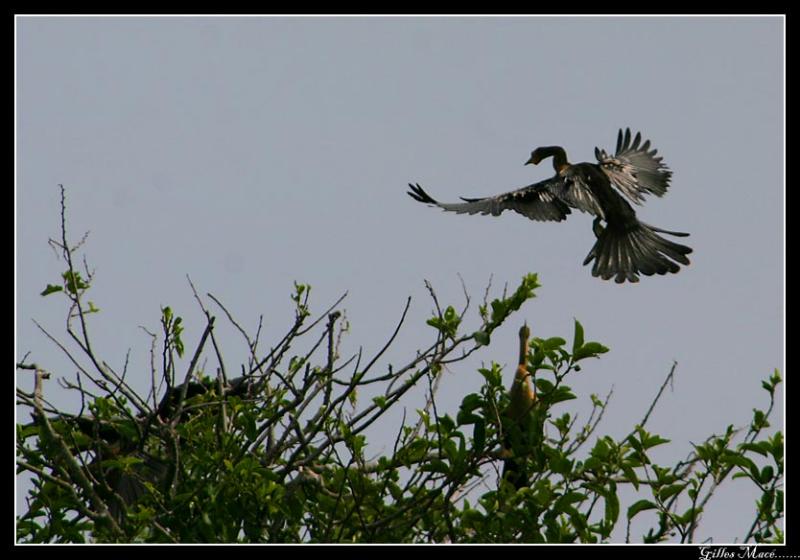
(279, 453)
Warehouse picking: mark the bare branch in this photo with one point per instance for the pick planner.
(391, 338)
(667, 381)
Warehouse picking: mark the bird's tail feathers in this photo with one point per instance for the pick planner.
(675, 233)
(624, 253)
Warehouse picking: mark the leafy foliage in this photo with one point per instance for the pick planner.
(280, 454)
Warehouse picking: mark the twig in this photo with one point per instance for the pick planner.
(391, 338)
(190, 371)
(667, 381)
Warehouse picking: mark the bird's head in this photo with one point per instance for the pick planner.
(536, 157)
(556, 152)
(524, 332)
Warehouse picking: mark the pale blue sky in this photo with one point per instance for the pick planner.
(252, 152)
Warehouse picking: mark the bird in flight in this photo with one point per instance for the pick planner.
(624, 246)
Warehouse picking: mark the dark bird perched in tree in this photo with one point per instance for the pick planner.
(625, 247)
(519, 416)
(125, 439)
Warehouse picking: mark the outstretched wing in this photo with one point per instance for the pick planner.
(536, 202)
(634, 169)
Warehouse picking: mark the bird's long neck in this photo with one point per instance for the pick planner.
(522, 393)
(524, 333)
(559, 156)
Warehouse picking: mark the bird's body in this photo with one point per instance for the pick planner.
(522, 399)
(625, 247)
(521, 394)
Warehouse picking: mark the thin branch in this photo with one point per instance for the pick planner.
(391, 338)
(323, 315)
(667, 381)
(190, 370)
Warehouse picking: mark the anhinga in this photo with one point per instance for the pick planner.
(126, 436)
(518, 414)
(625, 247)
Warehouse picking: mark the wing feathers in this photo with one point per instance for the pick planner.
(635, 170)
(534, 201)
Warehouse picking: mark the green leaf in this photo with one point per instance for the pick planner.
(653, 440)
(733, 458)
(759, 420)
(357, 445)
(577, 519)
(568, 499)
(447, 423)
(436, 466)
(494, 376)
(577, 338)
(704, 452)
(479, 436)
(51, 289)
(761, 447)
(25, 432)
(380, 401)
(689, 515)
(562, 393)
(664, 475)
(482, 338)
(248, 423)
(544, 386)
(501, 309)
(74, 281)
(589, 350)
(467, 418)
(766, 502)
(562, 423)
(612, 505)
(600, 449)
(592, 464)
(553, 343)
(640, 506)
(561, 465)
(668, 491)
(471, 402)
(630, 474)
(776, 447)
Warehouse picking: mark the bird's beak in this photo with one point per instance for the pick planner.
(533, 161)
